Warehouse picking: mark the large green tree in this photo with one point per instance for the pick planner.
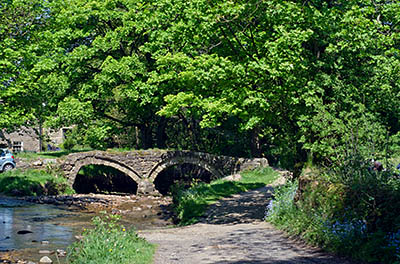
(279, 78)
(291, 70)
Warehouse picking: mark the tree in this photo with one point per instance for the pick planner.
(248, 78)
(23, 95)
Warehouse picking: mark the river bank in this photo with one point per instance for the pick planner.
(41, 216)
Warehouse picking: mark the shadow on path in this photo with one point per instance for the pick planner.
(248, 207)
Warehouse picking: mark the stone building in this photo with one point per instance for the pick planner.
(27, 139)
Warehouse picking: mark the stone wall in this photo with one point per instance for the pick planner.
(24, 139)
(144, 166)
(27, 139)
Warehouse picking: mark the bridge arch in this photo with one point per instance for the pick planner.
(105, 162)
(165, 164)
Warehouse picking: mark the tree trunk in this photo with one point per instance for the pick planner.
(40, 135)
(255, 143)
(146, 137)
(161, 134)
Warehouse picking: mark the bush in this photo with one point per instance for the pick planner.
(349, 209)
(110, 242)
(68, 144)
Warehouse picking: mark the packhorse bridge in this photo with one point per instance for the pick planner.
(143, 166)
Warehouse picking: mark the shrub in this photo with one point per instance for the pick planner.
(349, 209)
(68, 144)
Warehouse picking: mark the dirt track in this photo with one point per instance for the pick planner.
(233, 231)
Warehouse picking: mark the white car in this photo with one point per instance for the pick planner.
(7, 161)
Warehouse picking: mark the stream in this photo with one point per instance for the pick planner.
(28, 231)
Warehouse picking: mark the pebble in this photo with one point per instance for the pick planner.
(45, 260)
(61, 253)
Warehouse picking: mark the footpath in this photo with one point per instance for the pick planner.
(233, 232)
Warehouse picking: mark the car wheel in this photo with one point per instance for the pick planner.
(8, 167)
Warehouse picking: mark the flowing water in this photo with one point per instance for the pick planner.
(27, 229)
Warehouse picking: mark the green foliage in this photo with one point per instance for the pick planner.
(109, 242)
(335, 133)
(72, 112)
(190, 204)
(349, 209)
(96, 136)
(289, 80)
(68, 143)
(32, 183)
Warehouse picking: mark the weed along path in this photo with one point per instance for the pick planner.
(233, 231)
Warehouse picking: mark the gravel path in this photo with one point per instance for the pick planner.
(233, 231)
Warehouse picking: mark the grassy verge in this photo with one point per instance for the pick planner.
(109, 242)
(32, 183)
(190, 204)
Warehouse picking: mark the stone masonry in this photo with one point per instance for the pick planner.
(143, 166)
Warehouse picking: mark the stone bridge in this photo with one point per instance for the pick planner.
(143, 166)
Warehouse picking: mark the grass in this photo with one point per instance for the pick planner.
(190, 204)
(61, 153)
(109, 242)
(48, 154)
(32, 183)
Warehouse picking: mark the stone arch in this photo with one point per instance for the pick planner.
(106, 162)
(157, 169)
